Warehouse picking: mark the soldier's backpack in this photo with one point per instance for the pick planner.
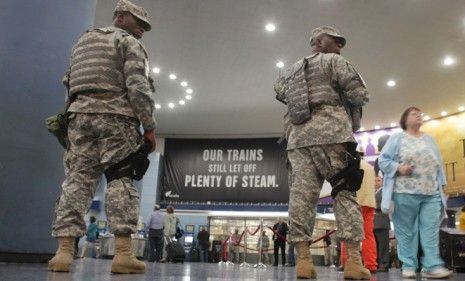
(292, 90)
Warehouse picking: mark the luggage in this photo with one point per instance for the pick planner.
(175, 251)
(452, 248)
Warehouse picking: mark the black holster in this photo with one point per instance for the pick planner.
(134, 166)
(352, 174)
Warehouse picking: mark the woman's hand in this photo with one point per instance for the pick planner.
(378, 182)
(405, 169)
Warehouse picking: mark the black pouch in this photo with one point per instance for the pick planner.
(134, 166)
(352, 174)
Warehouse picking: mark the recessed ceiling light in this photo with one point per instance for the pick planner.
(173, 76)
(448, 60)
(426, 118)
(393, 124)
(377, 127)
(443, 113)
(182, 102)
(270, 27)
(184, 83)
(391, 83)
(361, 129)
(461, 108)
(171, 105)
(280, 64)
(156, 70)
(157, 106)
(188, 97)
(189, 91)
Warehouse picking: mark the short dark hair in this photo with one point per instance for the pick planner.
(92, 219)
(403, 117)
(463, 209)
(170, 209)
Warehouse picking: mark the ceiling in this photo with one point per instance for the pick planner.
(222, 49)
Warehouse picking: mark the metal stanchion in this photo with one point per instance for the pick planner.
(245, 263)
(260, 264)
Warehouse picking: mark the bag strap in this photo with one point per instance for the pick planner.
(70, 99)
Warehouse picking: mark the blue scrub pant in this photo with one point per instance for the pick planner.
(416, 222)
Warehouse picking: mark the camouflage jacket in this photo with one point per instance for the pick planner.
(332, 83)
(109, 73)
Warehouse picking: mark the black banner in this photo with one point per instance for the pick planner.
(225, 170)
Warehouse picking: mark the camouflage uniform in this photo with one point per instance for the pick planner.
(109, 77)
(317, 146)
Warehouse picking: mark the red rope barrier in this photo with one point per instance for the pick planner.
(236, 243)
(240, 239)
(225, 252)
(271, 249)
(323, 237)
(255, 232)
(313, 242)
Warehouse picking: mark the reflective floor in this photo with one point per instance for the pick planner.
(96, 269)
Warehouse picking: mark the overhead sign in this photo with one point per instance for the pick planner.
(225, 170)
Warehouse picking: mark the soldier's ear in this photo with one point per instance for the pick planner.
(317, 43)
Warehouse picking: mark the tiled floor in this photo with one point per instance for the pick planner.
(99, 270)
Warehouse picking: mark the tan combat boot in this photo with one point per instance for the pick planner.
(304, 268)
(64, 255)
(354, 268)
(124, 260)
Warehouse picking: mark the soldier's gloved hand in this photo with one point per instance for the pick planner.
(150, 137)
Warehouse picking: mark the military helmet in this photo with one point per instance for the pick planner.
(137, 11)
(331, 31)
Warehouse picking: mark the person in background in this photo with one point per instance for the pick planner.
(414, 181)
(381, 222)
(91, 236)
(281, 229)
(366, 200)
(155, 230)
(264, 242)
(462, 219)
(203, 237)
(328, 250)
(290, 255)
(234, 249)
(381, 142)
(169, 229)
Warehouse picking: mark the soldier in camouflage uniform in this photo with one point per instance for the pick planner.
(108, 80)
(324, 94)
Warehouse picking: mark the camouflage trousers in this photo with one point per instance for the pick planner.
(97, 141)
(310, 167)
